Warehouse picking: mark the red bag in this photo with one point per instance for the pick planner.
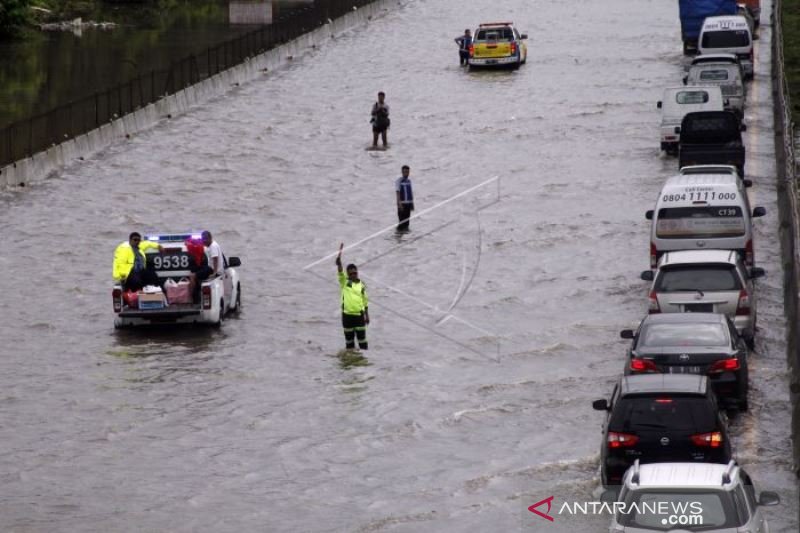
(196, 250)
(178, 292)
(131, 299)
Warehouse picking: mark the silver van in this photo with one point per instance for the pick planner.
(706, 281)
(729, 34)
(697, 211)
(677, 102)
(727, 76)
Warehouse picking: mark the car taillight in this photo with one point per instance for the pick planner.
(749, 256)
(621, 440)
(643, 365)
(513, 48)
(206, 297)
(743, 307)
(116, 296)
(708, 440)
(725, 365)
(654, 307)
(653, 255)
(471, 50)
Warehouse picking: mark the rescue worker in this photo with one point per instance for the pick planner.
(130, 263)
(355, 313)
(405, 199)
(464, 42)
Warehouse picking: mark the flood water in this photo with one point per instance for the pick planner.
(52, 68)
(495, 322)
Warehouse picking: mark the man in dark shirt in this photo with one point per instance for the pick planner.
(464, 42)
(405, 199)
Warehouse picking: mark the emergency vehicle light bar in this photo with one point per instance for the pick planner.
(494, 24)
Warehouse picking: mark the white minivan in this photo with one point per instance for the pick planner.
(728, 34)
(677, 102)
(703, 212)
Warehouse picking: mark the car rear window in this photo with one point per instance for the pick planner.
(664, 411)
(707, 510)
(495, 34)
(698, 277)
(700, 222)
(691, 97)
(714, 75)
(677, 334)
(726, 39)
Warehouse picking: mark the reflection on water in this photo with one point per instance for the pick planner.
(52, 68)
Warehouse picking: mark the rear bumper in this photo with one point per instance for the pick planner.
(491, 61)
(168, 315)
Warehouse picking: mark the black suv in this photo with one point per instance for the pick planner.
(661, 418)
(692, 343)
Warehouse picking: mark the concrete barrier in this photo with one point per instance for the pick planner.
(789, 217)
(43, 164)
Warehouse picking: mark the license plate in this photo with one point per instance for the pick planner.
(491, 61)
(699, 308)
(684, 369)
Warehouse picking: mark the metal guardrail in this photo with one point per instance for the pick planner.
(27, 137)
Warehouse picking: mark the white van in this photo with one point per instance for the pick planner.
(728, 35)
(703, 211)
(677, 102)
(727, 76)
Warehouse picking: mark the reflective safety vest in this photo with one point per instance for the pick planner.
(354, 295)
(124, 258)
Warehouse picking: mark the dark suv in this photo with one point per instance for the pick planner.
(661, 418)
(692, 343)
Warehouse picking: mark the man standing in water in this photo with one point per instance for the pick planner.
(405, 199)
(464, 42)
(355, 313)
(380, 119)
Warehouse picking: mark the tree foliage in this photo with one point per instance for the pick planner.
(14, 15)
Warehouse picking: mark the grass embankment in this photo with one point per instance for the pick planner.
(791, 52)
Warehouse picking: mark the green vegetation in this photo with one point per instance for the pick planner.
(791, 51)
(14, 15)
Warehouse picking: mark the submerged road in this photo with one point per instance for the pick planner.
(495, 321)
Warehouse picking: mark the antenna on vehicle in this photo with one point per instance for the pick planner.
(726, 475)
(635, 476)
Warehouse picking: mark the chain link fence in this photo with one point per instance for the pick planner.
(29, 136)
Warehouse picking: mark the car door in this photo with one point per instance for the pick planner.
(611, 403)
(758, 523)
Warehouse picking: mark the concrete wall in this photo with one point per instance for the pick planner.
(786, 147)
(42, 164)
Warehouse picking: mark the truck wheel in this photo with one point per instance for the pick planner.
(218, 323)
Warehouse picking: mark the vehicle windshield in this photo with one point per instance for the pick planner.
(691, 97)
(713, 75)
(494, 34)
(678, 413)
(685, 509)
(726, 39)
(698, 277)
(701, 222)
(683, 334)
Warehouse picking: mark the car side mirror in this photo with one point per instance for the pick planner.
(759, 212)
(626, 334)
(600, 405)
(677, 129)
(757, 272)
(768, 498)
(685, 80)
(747, 183)
(648, 214)
(647, 275)
(743, 127)
(658, 104)
(523, 36)
(726, 103)
(234, 262)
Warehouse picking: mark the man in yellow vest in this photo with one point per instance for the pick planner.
(130, 263)
(355, 313)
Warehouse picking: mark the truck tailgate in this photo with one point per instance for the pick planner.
(492, 49)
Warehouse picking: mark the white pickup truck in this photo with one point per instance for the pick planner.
(218, 295)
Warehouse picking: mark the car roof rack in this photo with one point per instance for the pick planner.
(635, 476)
(726, 475)
(494, 24)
